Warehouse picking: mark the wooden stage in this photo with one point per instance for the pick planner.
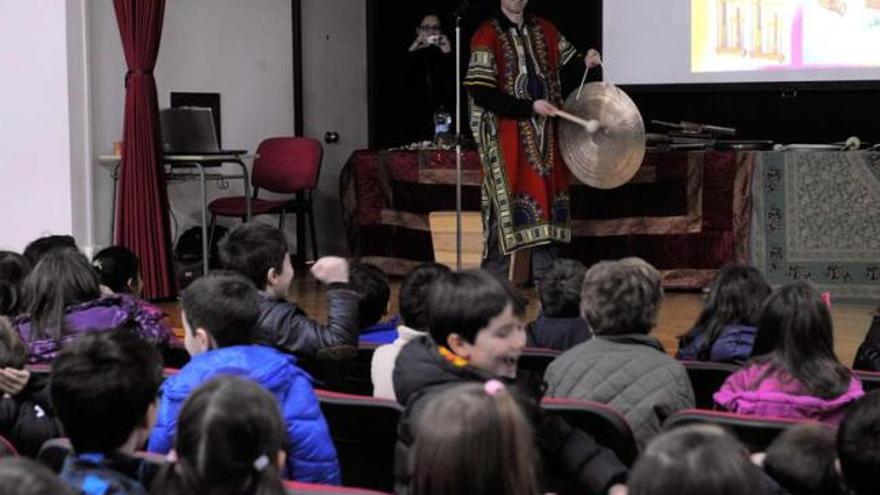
(677, 314)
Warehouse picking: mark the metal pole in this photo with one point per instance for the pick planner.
(458, 143)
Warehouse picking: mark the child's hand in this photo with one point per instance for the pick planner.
(331, 269)
(13, 381)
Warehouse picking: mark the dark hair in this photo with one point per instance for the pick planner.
(413, 297)
(795, 335)
(735, 298)
(62, 278)
(13, 353)
(116, 265)
(470, 441)
(38, 248)
(224, 304)
(464, 303)
(13, 269)
(858, 445)
(560, 289)
(801, 459)
(620, 297)
(23, 476)
(226, 425)
(692, 460)
(252, 249)
(371, 283)
(102, 385)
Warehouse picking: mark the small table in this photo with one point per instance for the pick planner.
(179, 168)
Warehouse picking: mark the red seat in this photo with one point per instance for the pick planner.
(870, 379)
(755, 432)
(300, 488)
(604, 423)
(706, 379)
(283, 165)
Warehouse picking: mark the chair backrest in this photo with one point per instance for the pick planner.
(706, 378)
(300, 488)
(351, 376)
(870, 379)
(53, 453)
(532, 364)
(602, 422)
(755, 432)
(6, 448)
(364, 430)
(287, 164)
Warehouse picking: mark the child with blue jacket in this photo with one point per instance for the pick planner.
(219, 313)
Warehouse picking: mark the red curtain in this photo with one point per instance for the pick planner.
(142, 213)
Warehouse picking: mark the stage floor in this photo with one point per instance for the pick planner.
(677, 314)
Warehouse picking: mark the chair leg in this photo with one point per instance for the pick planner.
(312, 231)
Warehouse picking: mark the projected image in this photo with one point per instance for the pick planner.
(745, 35)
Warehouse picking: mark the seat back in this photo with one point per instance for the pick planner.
(870, 379)
(287, 164)
(755, 432)
(351, 376)
(602, 422)
(364, 430)
(532, 364)
(6, 448)
(706, 378)
(300, 488)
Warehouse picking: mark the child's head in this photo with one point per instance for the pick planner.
(413, 298)
(372, 284)
(473, 439)
(103, 386)
(472, 314)
(735, 298)
(230, 434)
(621, 297)
(259, 252)
(694, 460)
(23, 476)
(795, 334)
(801, 459)
(13, 353)
(219, 309)
(560, 289)
(119, 270)
(35, 251)
(858, 445)
(13, 268)
(62, 278)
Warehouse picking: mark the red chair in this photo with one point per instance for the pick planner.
(755, 432)
(870, 379)
(604, 423)
(300, 488)
(283, 165)
(706, 379)
(364, 430)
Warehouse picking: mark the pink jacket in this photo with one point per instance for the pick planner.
(781, 398)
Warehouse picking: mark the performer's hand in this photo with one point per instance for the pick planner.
(544, 108)
(592, 58)
(444, 44)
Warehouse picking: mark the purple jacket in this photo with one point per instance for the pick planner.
(781, 398)
(101, 314)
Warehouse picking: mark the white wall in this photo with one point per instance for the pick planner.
(35, 160)
(241, 50)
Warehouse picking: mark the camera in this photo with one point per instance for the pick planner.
(434, 39)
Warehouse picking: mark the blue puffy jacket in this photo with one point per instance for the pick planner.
(734, 345)
(311, 456)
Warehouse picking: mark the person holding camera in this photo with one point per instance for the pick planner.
(430, 34)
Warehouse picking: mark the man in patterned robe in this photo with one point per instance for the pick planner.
(514, 88)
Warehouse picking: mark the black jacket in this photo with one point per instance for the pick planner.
(420, 373)
(285, 326)
(27, 419)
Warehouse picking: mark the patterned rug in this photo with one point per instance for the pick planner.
(817, 217)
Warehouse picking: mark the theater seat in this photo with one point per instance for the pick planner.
(870, 379)
(755, 432)
(6, 448)
(602, 422)
(351, 376)
(706, 378)
(532, 364)
(299, 488)
(364, 430)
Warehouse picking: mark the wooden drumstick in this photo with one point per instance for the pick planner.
(591, 125)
